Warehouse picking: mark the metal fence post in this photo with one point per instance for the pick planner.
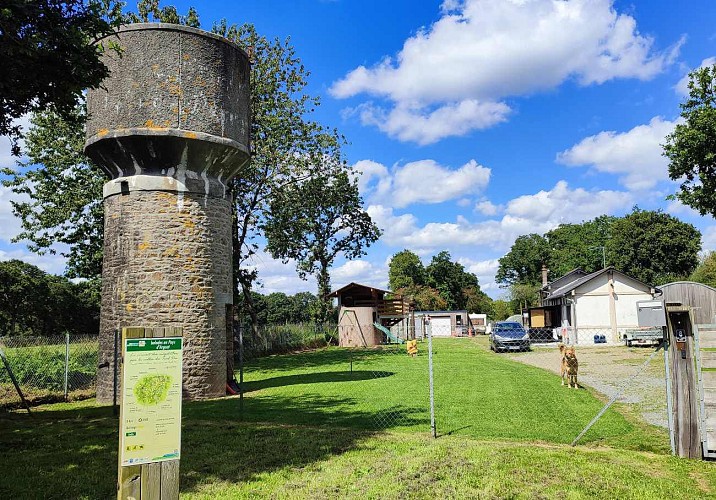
(67, 362)
(241, 371)
(432, 392)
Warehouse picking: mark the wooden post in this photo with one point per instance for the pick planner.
(682, 370)
(149, 481)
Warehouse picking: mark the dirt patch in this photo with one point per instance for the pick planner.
(609, 370)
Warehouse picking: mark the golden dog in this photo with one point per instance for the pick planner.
(570, 366)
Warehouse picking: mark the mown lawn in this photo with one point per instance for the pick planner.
(309, 429)
(477, 393)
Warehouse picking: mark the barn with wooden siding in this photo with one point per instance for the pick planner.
(697, 295)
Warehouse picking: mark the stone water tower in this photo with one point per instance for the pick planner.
(170, 127)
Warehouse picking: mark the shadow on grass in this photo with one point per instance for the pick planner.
(314, 378)
(73, 453)
(325, 357)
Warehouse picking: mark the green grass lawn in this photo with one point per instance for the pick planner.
(312, 428)
(477, 393)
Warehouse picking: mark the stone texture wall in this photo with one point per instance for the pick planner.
(167, 262)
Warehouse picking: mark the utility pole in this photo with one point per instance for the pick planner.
(604, 255)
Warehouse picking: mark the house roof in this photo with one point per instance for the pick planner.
(352, 284)
(567, 278)
(580, 280)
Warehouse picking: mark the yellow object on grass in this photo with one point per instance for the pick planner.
(412, 347)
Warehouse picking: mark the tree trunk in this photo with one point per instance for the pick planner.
(324, 288)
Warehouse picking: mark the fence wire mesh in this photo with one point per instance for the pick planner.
(371, 384)
(508, 385)
(48, 369)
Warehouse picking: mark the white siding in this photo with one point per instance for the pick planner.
(441, 326)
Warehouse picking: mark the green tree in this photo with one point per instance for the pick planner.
(33, 302)
(316, 221)
(477, 301)
(425, 297)
(502, 310)
(523, 263)
(653, 247)
(64, 189)
(49, 56)
(705, 272)
(691, 148)
(405, 270)
(578, 245)
(450, 279)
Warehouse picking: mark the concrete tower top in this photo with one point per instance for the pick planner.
(176, 105)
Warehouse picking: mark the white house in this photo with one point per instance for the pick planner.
(600, 303)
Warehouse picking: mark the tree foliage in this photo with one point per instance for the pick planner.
(578, 245)
(33, 302)
(314, 222)
(443, 284)
(49, 56)
(691, 148)
(60, 192)
(653, 247)
(650, 246)
(406, 270)
(279, 308)
(705, 272)
(61, 189)
(522, 265)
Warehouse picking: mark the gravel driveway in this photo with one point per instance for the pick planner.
(608, 369)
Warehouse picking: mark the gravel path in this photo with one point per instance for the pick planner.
(607, 369)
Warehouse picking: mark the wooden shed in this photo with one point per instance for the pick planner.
(702, 298)
(365, 315)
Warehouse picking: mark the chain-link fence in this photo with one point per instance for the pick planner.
(264, 340)
(48, 369)
(494, 386)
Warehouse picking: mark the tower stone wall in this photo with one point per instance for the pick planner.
(170, 127)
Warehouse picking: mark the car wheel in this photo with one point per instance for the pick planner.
(628, 343)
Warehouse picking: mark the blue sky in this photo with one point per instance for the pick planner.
(476, 121)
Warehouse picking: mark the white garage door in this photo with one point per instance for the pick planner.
(441, 326)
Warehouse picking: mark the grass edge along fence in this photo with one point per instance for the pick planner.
(49, 369)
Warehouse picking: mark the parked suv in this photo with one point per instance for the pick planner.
(509, 336)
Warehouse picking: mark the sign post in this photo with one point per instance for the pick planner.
(150, 414)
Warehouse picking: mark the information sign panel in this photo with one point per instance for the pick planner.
(151, 400)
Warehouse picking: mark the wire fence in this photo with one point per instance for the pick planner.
(48, 369)
(502, 385)
(486, 386)
(264, 340)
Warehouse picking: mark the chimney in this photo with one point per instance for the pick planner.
(544, 275)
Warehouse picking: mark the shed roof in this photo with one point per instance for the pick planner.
(352, 284)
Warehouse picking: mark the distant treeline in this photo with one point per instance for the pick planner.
(33, 302)
(279, 309)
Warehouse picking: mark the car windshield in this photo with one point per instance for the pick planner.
(509, 330)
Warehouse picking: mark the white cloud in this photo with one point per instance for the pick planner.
(6, 158)
(424, 181)
(570, 205)
(425, 126)
(54, 264)
(485, 271)
(9, 224)
(708, 239)
(536, 213)
(359, 271)
(682, 88)
(634, 155)
(675, 207)
(453, 76)
(486, 207)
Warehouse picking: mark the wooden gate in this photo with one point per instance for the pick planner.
(705, 344)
